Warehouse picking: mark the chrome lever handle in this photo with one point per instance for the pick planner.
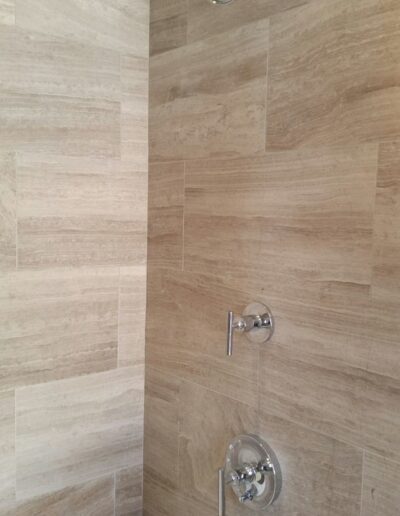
(221, 492)
(229, 343)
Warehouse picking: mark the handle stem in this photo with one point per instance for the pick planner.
(221, 492)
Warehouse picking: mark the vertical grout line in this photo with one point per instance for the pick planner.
(183, 216)
(362, 482)
(266, 86)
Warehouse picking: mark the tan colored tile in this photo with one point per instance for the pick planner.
(132, 313)
(381, 494)
(321, 476)
(159, 500)
(34, 63)
(95, 498)
(205, 19)
(8, 208)
(166, 200)
(161, 430)
(128, 492)
(208, 422)
(304, 216)
(94, 424)
(186, 333)
(121, 26)
(208, 98)
(386, 278)
(7, 444)
(60, 125)
(334, 74)
(168, 25)
(79, 212)
(7, 12)
(57, 324)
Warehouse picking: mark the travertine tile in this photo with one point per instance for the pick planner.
(60, 125)
(208, 422)
(8, 206)
(161, 429)
(186, 333)
(95, 498)
(322, 477)
(334, 74)
(78, 429)
(168, 25)
(122, 25)
(205, 19)
(34, 63)
(128, 492)
(79, 212)
(380, 494)
(159, 500)
(132, 314)
(134, 75)
(7, 443)
(57, 324)
(166, 200)
(302, 215)
(7, 12)
(208, 98)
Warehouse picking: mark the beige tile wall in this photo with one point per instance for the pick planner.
(73, 228)
(275, 176)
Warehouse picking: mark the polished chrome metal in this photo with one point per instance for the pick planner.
(256, 322)
(253, 471)
(221, 2)
(221, 492)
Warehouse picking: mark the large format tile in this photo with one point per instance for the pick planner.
(321, 476)
(60, 125)
(302, 216)
(121, 25)
(95, 498)
(380, 494)
(7, 443)
(34, 63)
(57, 324)
(75, 430)
(208, 98)
(168, 25)
(131, 316)
(334, 74)
(186, 333)
(128, 491)
(7, 12)
(78, 212)
(8, 208)
(166, 206)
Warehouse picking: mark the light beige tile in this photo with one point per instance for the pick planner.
(79, 212)
(7, 444)
(208, 422)
(132, 314)
(60, 125)
(8, 206)
(334, 74)
(166, 200)
(380, 494)
(168, 25)
(208, 98)
(186, 333)
(134, 75)
(57, 324)
(161, 431)
(7, 12)
(122, 25)
(301, 215)
(95, 498)
(34, 63)
(205, 19)
(322, 477)
(75, 430)
(128, 492)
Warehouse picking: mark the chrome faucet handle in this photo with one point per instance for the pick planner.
(257, 323)
(221, 492)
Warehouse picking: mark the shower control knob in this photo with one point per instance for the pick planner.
(256, 323)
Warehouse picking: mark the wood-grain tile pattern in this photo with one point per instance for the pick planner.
(8, 212)
(128, 492)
